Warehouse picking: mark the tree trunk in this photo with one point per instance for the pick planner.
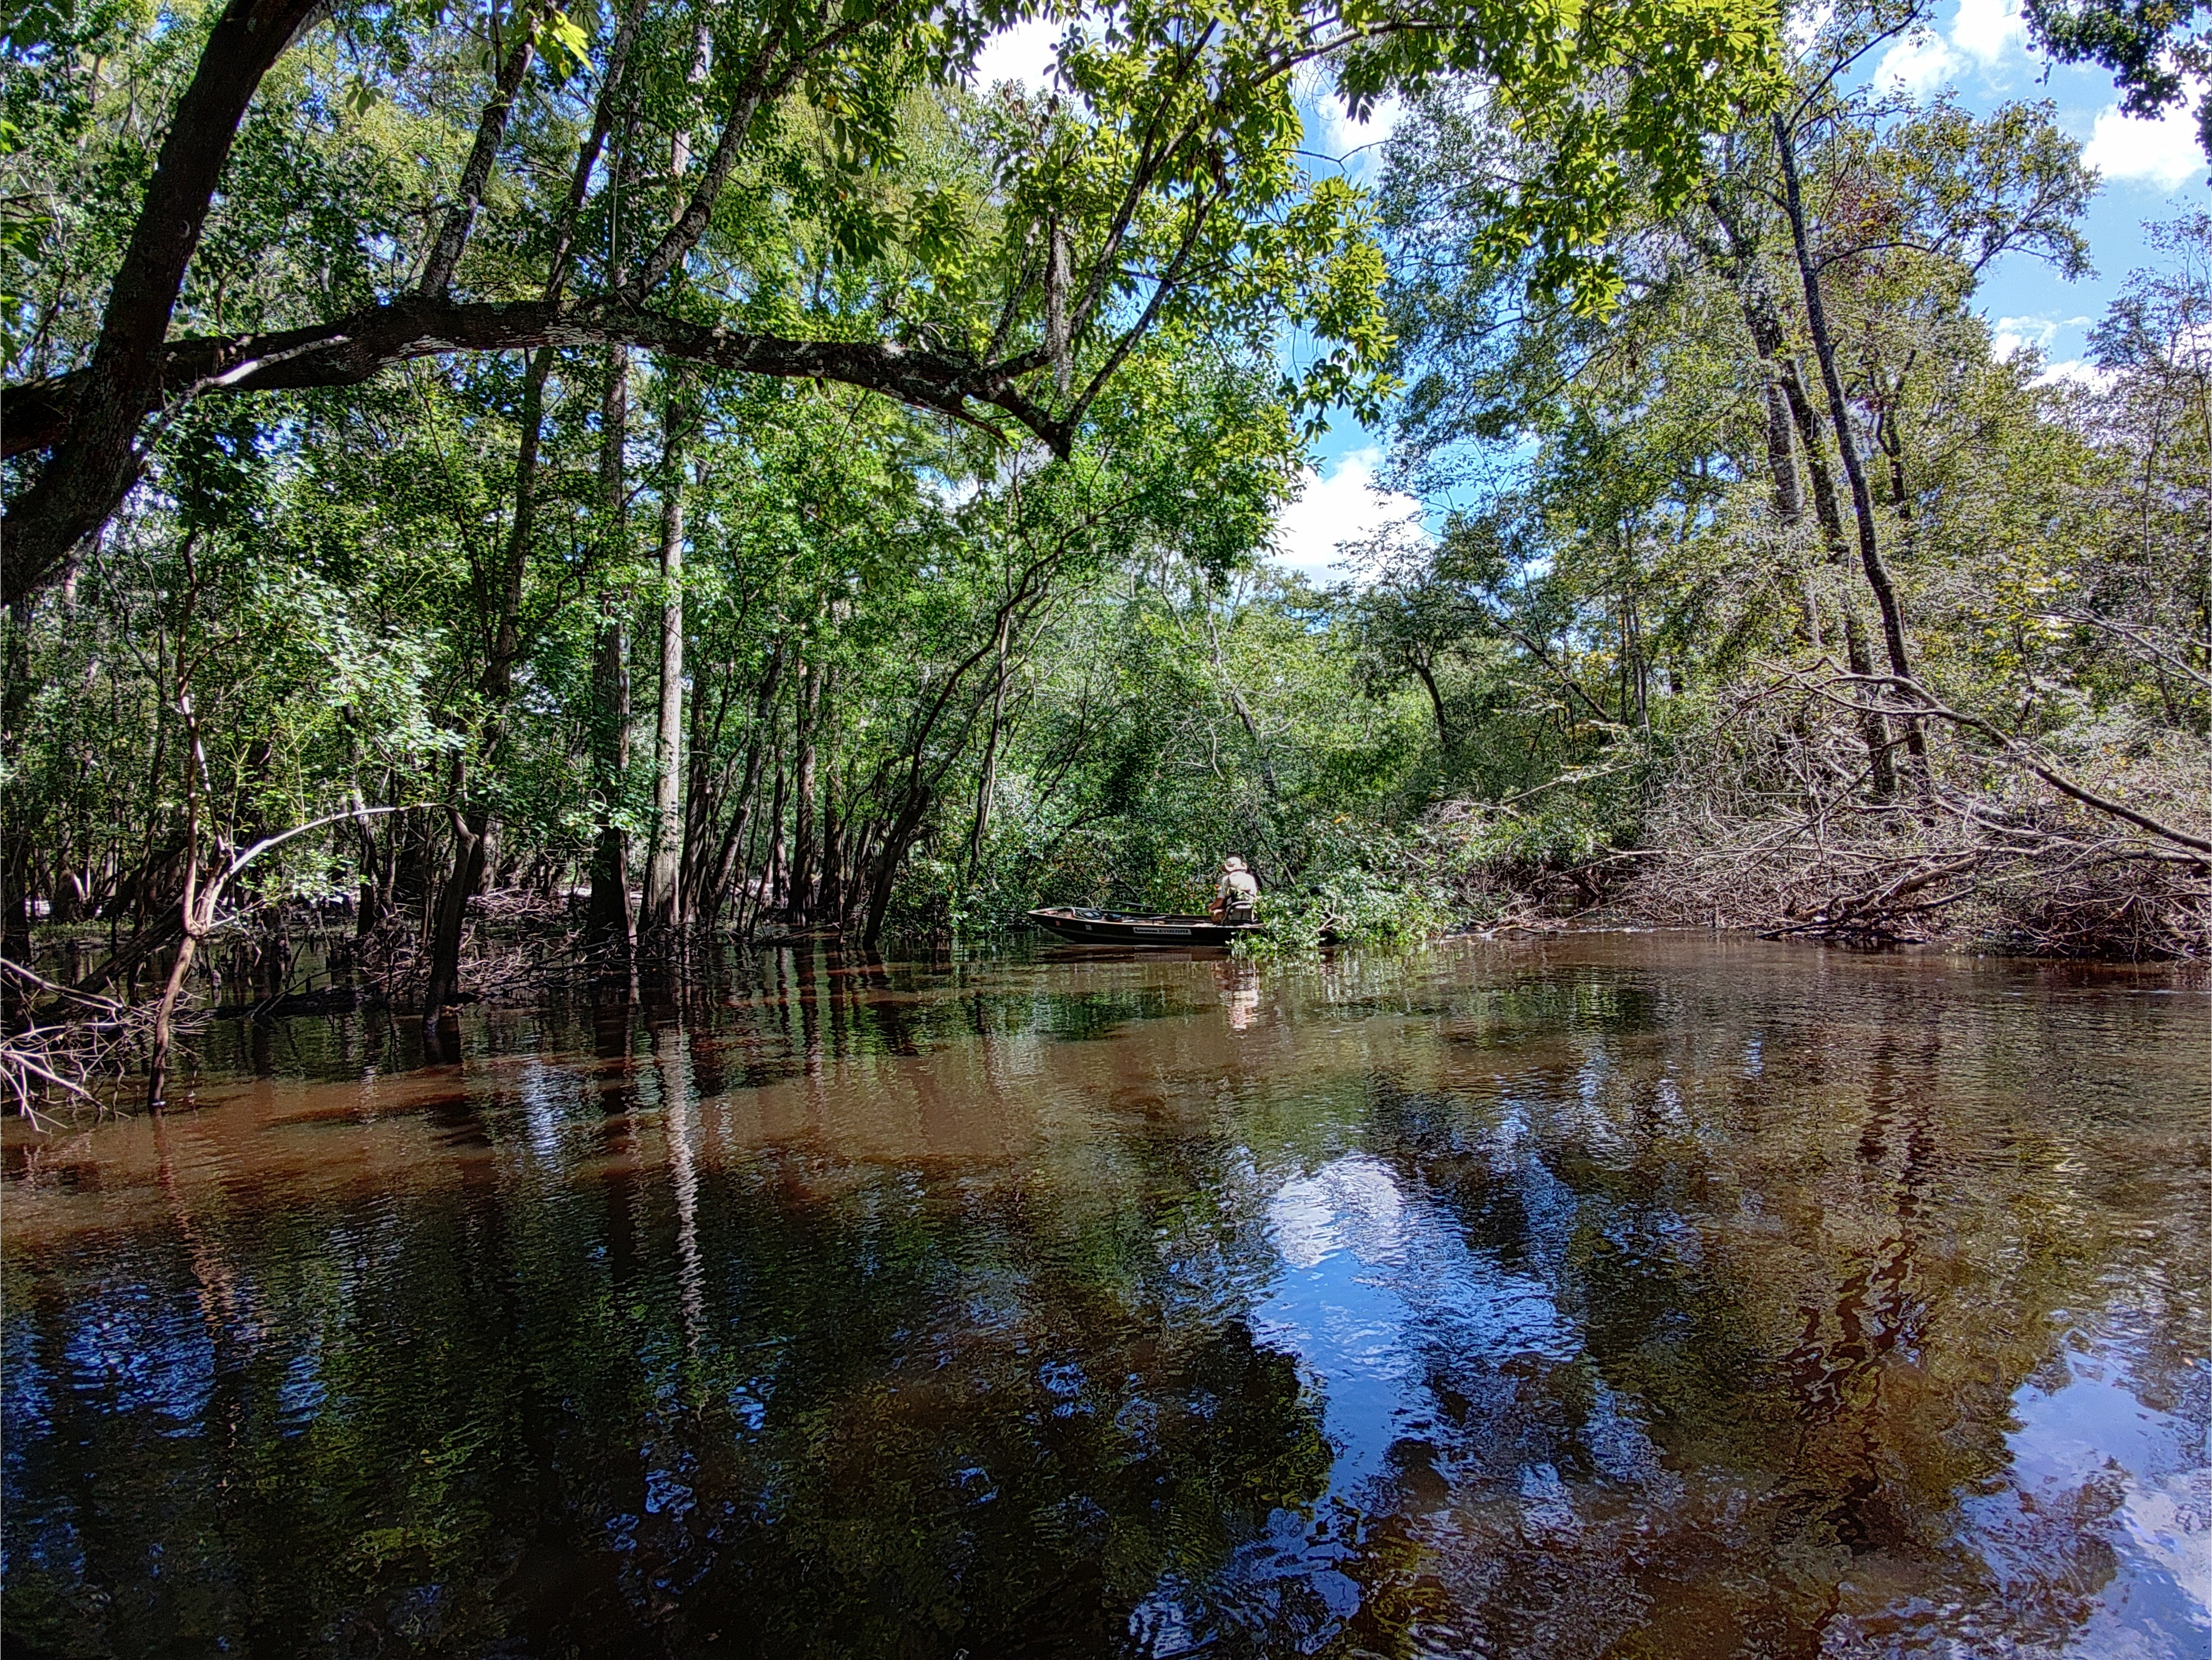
(1789, 493)
(829, 890)
(165, 1013)
(607, 925)
(1892, 443)
(798, 905)
(1782, 466)
(664, 872)
(772, 866)
(702, 798)
(664, 885)
(987, 777)
(16, 844)
(1427, 677)
(472, 825)
(1872, 727)
(1635, 672)
(449, 920)
(95, 465)
(491, 128)
(883, 877)
(1768, 336)
(506, 638)
(194, 911)
(727, 864)
(1243, 713)
(1824, 350)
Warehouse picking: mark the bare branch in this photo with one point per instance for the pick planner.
(1925, 703)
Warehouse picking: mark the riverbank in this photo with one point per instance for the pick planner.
(2027, 874)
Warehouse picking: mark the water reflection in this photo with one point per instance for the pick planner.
(1605, 1297)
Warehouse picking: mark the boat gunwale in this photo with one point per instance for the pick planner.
(1089, 924)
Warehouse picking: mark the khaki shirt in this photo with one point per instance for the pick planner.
(1237, 884)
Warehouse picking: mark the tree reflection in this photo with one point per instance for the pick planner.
(862, 1310)
(1812, 1296)
(860, 1416)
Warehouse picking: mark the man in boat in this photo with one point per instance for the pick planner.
(1235, 895)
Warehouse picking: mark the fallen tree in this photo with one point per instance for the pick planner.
(1763, 822)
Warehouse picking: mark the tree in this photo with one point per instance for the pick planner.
(2154, 52)
(1162, 188)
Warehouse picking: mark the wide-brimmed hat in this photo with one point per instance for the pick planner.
(1232, 862)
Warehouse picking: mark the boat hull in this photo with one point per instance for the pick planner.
(1086, 925)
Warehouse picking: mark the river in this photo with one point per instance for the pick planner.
(1614, 1295)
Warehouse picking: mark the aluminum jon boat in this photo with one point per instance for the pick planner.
(1112, 928)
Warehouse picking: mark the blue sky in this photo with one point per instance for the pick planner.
(2152, 171)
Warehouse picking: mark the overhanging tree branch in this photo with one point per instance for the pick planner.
(42, 414)
(101, 455)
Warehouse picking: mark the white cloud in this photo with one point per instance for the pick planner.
(1352, 1203)
(1983, 33)
(1330, 129)
(1985, 30)
(2011, 335)
(1023, 53)
(1803, 25)
(2163, 152)
(2079, 372)
(2008, 334)
(1918, 64)
(1343, 507)
(1341, 135)
(952, 494)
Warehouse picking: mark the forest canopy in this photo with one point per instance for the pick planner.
(729, 468)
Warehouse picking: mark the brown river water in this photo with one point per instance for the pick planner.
(1629, 1295)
